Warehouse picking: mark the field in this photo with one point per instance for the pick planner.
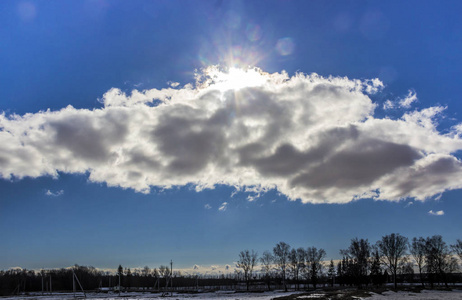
(377, 295)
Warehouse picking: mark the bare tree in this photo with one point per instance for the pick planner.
(314, 257)
(392, 249)
(281, 258)
(406, 269)
(293, 263)
(301, 255)
(358, 253)
(457, 248)
(296, 262)
(247, 261)
(164, 271)
(417, 250)
(266, 261)
(438, 259)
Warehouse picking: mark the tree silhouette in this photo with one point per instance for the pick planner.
(281, 258)
(247, 261)
(376, 271)
(120, 273)
(266, 261)
(358, 252)
(331, 272)
(314, 258)
(418, 251)
(438, 259)
(392, 249)
(457, 248)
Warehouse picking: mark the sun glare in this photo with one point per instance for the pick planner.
(234, 78)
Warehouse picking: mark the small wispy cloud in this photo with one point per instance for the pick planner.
(388, 105)
(54, 194)
(252, 198)
(409, 204)
(223, 206)
(436, 213)
(408, 100)
(234, 193)
(404, 102)
(256, 192)
(207, 206)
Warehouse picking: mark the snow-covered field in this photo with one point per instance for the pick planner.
(223, 295)
(389, 295)
(424, 295)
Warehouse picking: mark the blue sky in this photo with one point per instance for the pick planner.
(126, 177)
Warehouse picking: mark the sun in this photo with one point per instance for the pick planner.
(233, 78)
(237, 78)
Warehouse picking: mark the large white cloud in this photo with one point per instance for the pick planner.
(312, 138)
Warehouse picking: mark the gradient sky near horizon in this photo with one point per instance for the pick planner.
(136, 132)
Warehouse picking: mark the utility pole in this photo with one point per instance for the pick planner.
(171, 275)
(74, 278)
(73, 281)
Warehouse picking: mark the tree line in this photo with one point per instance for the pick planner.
(362, 263)
(20, 280)
(163, 278)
